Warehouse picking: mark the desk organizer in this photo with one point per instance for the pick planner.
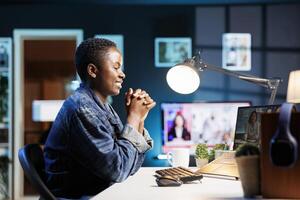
(278, 182)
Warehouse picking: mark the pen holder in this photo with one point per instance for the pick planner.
(248, 167)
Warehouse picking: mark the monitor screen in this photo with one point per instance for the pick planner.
(187, 124)
(248, 124)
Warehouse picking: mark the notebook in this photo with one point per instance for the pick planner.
(247, 130)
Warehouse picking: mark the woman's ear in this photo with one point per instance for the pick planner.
(92, 70)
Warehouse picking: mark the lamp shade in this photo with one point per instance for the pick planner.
(183, 79)
(293, 92)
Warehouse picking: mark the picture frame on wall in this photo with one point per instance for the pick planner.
(236, 51)
(116, 38)
(171, 51)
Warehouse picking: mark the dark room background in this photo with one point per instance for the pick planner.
(274, 29)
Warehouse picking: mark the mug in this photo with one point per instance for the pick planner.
(179, 157)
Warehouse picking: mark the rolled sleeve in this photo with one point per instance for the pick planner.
(147, 137)
(142, 142)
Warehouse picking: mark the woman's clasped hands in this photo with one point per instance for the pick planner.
(138, 104)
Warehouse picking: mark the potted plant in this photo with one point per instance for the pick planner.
(4, 161)
(247, 158)
(214, 152)
(201, 155)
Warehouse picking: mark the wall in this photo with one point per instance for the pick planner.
(275, 53)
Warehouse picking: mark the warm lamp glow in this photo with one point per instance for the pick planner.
(293, 93)
(183, 79)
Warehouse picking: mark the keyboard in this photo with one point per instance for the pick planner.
(181, 173)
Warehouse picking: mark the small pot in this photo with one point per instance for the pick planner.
(200, 162)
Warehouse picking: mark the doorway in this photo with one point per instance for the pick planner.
(43, 67)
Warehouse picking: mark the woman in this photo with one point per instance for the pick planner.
(88, 148)
(178, 129)
(252, 128)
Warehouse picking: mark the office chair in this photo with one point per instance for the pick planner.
(32, 162)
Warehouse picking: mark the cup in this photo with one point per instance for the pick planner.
(179, 157)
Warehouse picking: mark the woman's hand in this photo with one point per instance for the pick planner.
(140, 94)
(138, 104)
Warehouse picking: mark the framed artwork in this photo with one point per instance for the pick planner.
(118, 39)
(237, 51)
(171, 51)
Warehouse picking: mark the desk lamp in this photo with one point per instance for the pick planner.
(293, 92)
(183, 77)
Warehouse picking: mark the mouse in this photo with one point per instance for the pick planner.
(166, 181)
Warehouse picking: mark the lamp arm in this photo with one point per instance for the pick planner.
(273, 95)
(272, 83)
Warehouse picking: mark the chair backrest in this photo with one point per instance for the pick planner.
(32, 161)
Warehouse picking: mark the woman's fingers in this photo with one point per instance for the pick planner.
(136, 92)
(140, 95)
(143, 94)
(151, 105)
(128, 96)
(148, 100)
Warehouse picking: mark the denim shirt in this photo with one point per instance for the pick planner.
(88, 149)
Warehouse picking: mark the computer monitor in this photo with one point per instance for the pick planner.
(202, 122)
(248, 124)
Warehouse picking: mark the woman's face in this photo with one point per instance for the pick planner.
(179, 121)
(110, 75)
(253, 117)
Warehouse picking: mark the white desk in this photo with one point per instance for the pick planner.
(143, 186)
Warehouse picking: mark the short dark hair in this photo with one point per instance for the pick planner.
(88, 51)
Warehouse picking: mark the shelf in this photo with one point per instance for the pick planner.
(3, 150)
(4, 71)
(4, 145)
(3, 126)
(6, 97)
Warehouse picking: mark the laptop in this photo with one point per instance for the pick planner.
(248, 124)
(247, 130)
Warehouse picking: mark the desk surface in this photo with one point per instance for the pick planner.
(143, 186)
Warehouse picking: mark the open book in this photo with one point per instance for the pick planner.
(222, 167)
